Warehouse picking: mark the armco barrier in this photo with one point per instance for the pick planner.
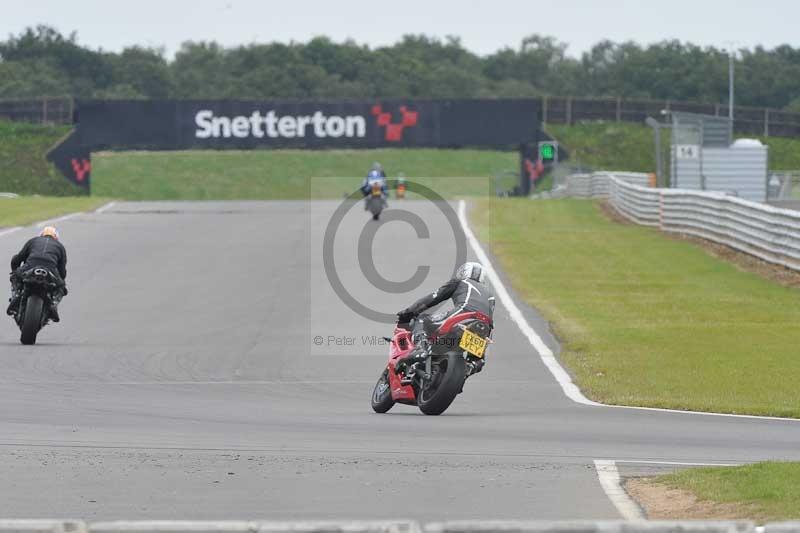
(597, 185)
(766, 232)
(464, 526)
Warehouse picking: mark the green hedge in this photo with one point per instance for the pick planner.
(23, 167)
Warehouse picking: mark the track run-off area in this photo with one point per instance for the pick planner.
(188, 380)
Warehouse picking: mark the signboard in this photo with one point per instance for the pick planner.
(687, 151)
(222, 124)
(250, 124)
(548, 151)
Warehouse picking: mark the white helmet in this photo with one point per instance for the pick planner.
(473, 271)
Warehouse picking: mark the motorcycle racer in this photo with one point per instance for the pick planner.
(469, 292)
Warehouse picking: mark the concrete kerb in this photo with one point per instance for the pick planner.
(182, 526)
(343, 527)
(783, 527)
(619, 526)
(464, 526)
(43, 526)
(255, 527)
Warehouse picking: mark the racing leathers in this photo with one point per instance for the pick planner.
(467, 295)
(43, 252)
(374, 177)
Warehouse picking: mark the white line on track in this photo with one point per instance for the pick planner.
(104, 208)
(10, 230)
(609, 479)
(673, 463)
(52, 221)
(545, 353)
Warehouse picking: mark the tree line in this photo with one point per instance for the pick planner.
(41, 62)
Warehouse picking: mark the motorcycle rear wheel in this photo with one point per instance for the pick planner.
(32, 322)
(436, 396)
(382, 394)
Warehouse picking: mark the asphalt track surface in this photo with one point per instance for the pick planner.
(184, 383)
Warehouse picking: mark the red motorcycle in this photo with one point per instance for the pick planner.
(455, 351)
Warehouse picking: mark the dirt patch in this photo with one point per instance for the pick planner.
(745, 262)
(664, 503)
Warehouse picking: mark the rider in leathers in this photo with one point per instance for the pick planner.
(44, 251)
(468, 291)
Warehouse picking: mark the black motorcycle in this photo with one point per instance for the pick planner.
(40, 289)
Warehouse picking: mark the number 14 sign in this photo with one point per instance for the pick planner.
(687, 151)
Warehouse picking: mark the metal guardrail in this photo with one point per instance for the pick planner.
(767, 232)
(462, 526)
(596, 185)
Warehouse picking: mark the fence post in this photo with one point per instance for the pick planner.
(716, 109)
(544, 109)
(569, 111)
(71, 117)
(766, 122)
(619, 109)
(44, 110)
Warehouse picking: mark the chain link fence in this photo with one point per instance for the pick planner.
(52, 111)
(555, 110)
(747, 120)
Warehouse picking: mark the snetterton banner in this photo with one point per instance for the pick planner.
(227, 124)
(224, 124)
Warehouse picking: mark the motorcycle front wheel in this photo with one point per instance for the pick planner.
(382, 394)
(32, 321)
(447, 377)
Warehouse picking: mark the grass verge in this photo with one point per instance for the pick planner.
(23, 211)
(287, 174)
(764, 491)
(647, 320)
(23, 168)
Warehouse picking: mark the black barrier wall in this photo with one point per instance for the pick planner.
(225, 124)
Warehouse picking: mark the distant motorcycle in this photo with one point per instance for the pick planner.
(39, 289)
(456, 352)
(375, 200)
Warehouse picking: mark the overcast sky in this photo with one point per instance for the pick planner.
(484, 26)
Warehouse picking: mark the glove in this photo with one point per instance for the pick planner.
(405, 316)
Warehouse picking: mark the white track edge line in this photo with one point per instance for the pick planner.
(10, 230)
(674, 463)
(546, 354)
(608, 475)
(548, 358)
(104, 208)
(52, 221)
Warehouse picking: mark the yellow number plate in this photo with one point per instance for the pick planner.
(472, 343)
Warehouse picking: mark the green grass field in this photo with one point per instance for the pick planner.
(288, 174)
(23, 168)
(647, 320)
(22, 211)
(765, 491)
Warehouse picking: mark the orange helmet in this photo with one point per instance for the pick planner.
(49, 231)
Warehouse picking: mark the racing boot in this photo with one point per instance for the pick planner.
(54, 312)
(14, 304)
